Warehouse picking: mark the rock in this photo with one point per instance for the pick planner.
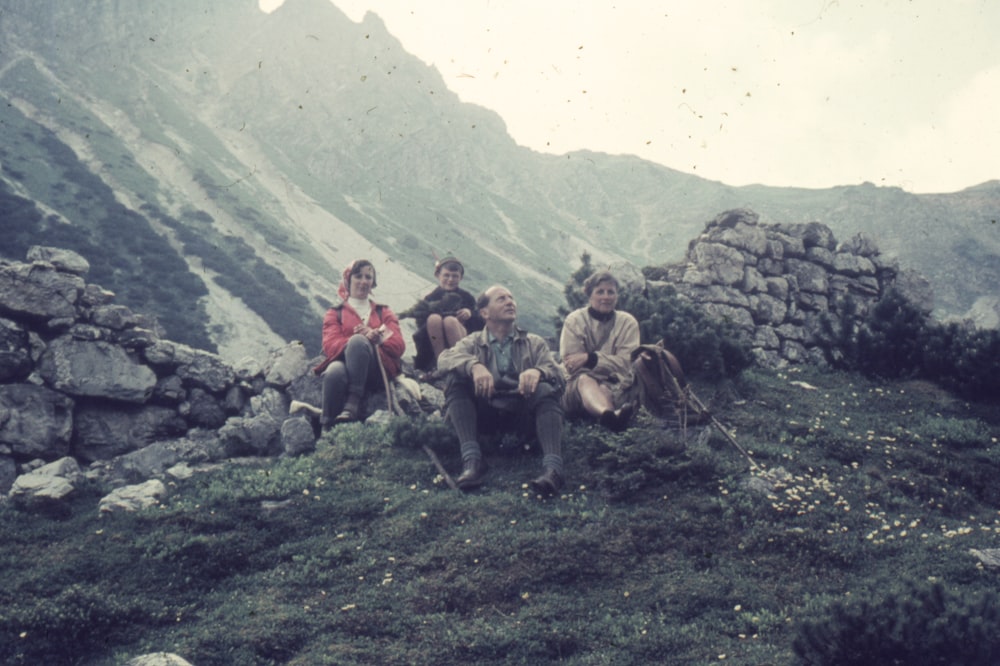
(51, 482)
(15, 351)
(298, 436)
(38, 292)
(194, 366)
(104, 431)
(631, 281)
(916, 289)
(133, 498)
(716, 263)
(115, 317)
(157, 659)
(35, 421)
(286, 364)
(160, 457)
(96, 369)
(203, 410)
(63, 260)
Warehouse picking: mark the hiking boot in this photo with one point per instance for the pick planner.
(548, 484)
(351, 410)
(608, 419)
(473, 471)
(623, 416)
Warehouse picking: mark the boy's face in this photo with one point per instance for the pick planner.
(449, 279)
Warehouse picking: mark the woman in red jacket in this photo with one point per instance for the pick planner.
(353, 333)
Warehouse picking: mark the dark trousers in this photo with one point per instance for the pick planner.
(355, 373)
(541, 412)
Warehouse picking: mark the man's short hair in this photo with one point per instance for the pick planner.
(483, 299)
(597, 278)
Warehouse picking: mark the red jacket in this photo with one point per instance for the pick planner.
(338, 327)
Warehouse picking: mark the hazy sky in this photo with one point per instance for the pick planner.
(810, 93)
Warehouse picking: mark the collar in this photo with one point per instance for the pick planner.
(600, 316)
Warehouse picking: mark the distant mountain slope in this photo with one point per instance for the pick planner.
(219, 166)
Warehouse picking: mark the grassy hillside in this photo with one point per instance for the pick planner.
(657, 553)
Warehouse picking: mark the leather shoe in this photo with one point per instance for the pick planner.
(623, 416)
(473, 471)
(548, 484)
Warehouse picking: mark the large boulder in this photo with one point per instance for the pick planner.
(133, 498)
(106, 430)
(64, 260)
(35, 421)
(96, 369)
(195, 366)
(38, 292)
(48, 483)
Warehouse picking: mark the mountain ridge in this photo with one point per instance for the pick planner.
(266, 151)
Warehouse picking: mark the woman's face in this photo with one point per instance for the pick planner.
(361, 282)
(604, 297)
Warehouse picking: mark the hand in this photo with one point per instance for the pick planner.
(574, 362)
(482, 379)
(528, 381)
(463, 315)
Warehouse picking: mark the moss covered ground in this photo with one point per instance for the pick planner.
(665, 546)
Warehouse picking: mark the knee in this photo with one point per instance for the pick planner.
(548, 397)
(357, 344)
(434, 319)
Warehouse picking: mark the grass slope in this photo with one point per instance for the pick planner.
(656, 553)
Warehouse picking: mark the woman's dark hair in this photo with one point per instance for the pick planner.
(597, 278)
(356, 270)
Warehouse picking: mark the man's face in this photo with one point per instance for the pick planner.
(604, 297)
(449, 279)
(501, 306)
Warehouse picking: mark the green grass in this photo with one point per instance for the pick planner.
(360, 554)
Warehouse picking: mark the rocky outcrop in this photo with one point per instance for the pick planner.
(86, 381)
(791, 288)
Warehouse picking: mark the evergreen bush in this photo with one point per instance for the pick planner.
(897, 340)
(917, 625)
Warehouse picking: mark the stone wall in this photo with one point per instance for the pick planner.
(790, 287)
(83, 377)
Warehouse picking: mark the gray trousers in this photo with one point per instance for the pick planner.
(541, 413)
(354, 373)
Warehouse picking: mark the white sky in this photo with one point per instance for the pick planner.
(808, 93)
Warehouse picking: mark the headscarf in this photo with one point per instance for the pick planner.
(343, 290)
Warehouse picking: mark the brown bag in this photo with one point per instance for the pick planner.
(663, 390)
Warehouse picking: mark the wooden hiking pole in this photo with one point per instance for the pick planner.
(721, 428)
(394, 408)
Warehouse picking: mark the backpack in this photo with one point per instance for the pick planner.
(662, 388)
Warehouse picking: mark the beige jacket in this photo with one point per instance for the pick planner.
(613, 342)
(529, 351)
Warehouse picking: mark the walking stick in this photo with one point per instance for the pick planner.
(732, 440)
(394, 408)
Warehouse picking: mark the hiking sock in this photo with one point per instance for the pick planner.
(471, 451)
(553, 461)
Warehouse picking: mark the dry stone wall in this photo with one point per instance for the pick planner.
(791, 287)
(85, 379)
